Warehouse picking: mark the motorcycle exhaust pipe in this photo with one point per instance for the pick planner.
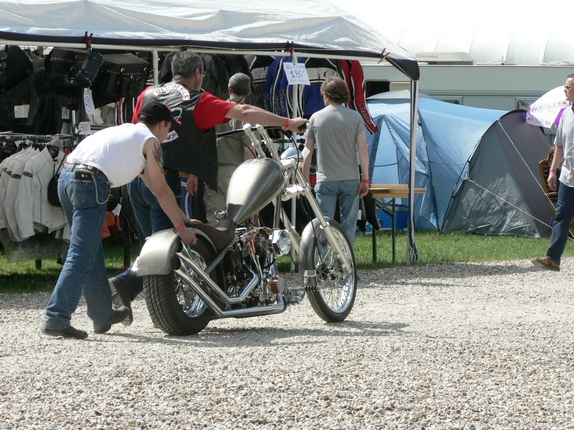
(187, 262)
(234, 313)
(202, 294)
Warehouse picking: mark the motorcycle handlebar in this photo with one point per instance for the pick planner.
(240, 130)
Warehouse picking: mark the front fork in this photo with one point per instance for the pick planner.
(306, 191)
(324, 224)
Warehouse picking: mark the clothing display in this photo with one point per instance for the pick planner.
(352, 74)
(258, 68)
(278, 95)
(26, 211)
(34, 211)
(26, 171)
(24, 179)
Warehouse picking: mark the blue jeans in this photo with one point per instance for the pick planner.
(561, 225)
(348, 194)
(150, 218)
(84, 201)
(149, 215)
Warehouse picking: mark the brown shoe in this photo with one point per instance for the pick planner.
(546, 263)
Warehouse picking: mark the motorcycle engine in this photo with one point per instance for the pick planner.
(252, 253)
(257, 245)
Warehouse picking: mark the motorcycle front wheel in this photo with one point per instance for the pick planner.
(336, 290)
(173, 305)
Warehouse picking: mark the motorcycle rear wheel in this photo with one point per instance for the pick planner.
(172, 304)
(336, 292)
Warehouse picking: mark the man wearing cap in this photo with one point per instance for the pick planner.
(190, 147)
(109, 158)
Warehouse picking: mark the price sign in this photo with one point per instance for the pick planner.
(84, 128)
(296, 74)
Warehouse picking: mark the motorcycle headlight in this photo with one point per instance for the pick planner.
(292, 153)
(281, 242)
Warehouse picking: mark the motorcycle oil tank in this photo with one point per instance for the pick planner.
(253, 184)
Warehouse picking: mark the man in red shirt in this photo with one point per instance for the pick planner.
(190, 148)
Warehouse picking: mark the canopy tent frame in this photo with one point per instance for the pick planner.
(128, 25)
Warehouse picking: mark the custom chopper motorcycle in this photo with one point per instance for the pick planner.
(231, 272)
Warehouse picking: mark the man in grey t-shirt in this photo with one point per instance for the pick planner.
(338, 132)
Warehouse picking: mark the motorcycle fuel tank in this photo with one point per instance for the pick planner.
(253, 184)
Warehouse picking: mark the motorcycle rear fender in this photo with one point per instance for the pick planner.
(157, 255)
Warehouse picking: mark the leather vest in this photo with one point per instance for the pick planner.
(186, 148)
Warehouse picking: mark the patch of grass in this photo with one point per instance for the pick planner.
(433, 247)
(25, 277)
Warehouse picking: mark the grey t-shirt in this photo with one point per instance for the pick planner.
(335, 130)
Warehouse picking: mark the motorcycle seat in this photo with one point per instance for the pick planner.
(220, 233)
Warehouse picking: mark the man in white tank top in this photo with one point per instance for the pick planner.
(109, 158)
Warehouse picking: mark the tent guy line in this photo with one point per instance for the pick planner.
(509, 203)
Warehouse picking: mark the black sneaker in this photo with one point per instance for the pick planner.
(65, 332)
(119, 315)
(121, 297)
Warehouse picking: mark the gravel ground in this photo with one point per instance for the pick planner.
(454, 346)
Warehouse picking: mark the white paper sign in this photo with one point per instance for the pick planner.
(21, 111)
(89, 102)
(84, 128)
(296, 74)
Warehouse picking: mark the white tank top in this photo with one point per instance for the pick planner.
(116, 151)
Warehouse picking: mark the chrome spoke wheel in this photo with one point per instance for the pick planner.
(334, 295)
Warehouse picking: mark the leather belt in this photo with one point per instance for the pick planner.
(91, 169)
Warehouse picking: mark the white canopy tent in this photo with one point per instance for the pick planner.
(321, 30)
(260, 27)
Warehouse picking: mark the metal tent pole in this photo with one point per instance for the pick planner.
(412, 254)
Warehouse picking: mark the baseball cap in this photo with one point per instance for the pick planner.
(155, 112)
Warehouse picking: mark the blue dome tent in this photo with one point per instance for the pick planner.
(479, 166)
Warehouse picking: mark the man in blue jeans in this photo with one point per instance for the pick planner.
(340, 135)
(109, 158)
(563, 159)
